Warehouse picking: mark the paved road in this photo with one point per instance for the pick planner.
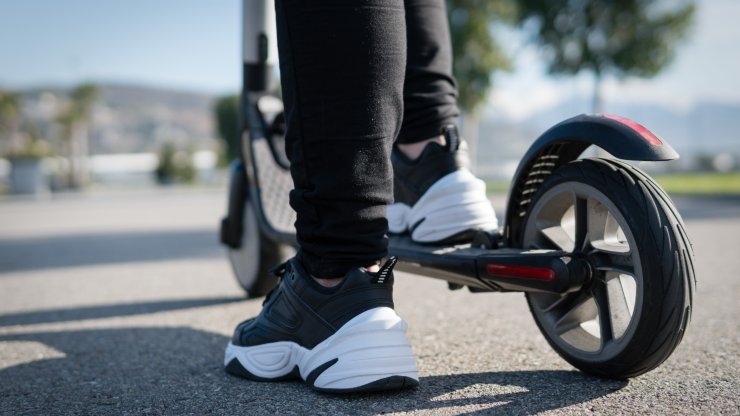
(117, 303)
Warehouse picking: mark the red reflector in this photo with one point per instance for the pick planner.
(521, 272)
(639, 128)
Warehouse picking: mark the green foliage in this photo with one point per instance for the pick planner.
(226, 111)
(10, 109)
(75, 115)
(702, 183)
(83, 98)
(608, 37)
(31, 145)
(174, 165)
(20, 138)
(476, 54)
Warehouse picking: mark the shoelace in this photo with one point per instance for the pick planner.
(381, 275)
(278, 271)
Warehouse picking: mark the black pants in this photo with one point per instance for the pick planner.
(357, 75)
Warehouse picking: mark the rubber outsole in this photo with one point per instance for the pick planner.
(369, 353)
(455, 204)
(235, 368)
(384, 384)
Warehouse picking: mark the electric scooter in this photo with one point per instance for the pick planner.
(598, 248)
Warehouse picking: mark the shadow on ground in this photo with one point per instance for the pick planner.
(178, 370)
(20, 254)
(108, 311)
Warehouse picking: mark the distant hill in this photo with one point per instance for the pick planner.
(706, 129)
(135, 119)
(128, 96)
(132, 118)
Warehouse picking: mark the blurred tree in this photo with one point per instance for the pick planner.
(84, 97)
(226, 111)
(476, 54)
(75, 121)
(607, 37)
(174, 165)
(10, 110)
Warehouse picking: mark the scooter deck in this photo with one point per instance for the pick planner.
(457, 264)
(453, 263)
(500, 269)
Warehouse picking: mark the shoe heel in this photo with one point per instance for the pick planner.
(269, 362)
(370, 352)
(456, 203)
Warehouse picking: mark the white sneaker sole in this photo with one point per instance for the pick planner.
(370, 352)
(455, 203)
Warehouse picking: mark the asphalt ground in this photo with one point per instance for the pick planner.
(122, 303)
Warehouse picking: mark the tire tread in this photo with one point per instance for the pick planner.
(677, 281)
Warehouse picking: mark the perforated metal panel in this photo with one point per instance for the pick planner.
(275, 184)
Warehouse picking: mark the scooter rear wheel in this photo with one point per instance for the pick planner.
(255, 257)
(633, 311)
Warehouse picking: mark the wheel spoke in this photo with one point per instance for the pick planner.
(613, 262)
(605, 232)
(578, 310)
(557, 238)
(601, 297)
(581, 223)
(622, 295)
(592, 323)
(556, 222)
(555, 302)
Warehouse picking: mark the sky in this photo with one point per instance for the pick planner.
(189, 44)
(706, 68)
(195, 45)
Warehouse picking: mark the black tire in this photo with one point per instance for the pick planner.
(643, 279)
(257, 255)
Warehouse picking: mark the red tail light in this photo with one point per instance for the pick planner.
(521, 272)
(639, 128)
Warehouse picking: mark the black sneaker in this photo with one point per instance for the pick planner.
(436, 197)
(342, 339)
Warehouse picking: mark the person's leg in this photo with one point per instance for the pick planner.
(436, 198)
(342, 65)
(430, 91)
(342, 70)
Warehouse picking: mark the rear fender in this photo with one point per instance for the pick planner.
(563, 143)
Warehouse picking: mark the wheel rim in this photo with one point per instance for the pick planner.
(245, 259)
(596, 322)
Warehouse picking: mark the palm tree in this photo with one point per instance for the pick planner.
(75, 122)
(9, 114)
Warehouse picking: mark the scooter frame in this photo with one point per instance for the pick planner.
(559, 283)
(490, 263)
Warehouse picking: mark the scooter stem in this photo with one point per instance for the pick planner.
(259, 43)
